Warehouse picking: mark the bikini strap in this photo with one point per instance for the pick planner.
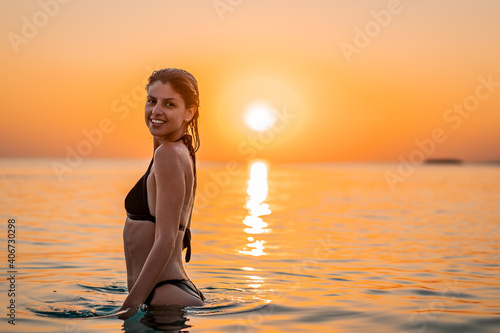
(186, 242)
(145, 190)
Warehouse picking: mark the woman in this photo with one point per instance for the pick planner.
(159, 206)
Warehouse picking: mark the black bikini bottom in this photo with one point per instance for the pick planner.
(184, 284)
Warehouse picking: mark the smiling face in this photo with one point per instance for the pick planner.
(166, 114)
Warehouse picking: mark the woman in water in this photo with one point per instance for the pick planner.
(159, 206)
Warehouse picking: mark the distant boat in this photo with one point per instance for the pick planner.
(443, 161)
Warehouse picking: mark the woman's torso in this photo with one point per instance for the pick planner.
(139, 235)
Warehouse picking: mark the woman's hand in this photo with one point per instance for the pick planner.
(125, 314)
(129, 303)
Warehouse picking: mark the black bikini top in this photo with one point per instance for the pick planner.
(136, 201)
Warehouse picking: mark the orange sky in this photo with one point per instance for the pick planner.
(67, 69)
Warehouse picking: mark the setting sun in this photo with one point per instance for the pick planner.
(259, 116)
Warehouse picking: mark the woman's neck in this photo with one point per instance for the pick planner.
(157, 141)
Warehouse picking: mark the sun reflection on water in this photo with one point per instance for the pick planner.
(257, 194)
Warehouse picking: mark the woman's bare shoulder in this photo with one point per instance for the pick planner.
(170, 157)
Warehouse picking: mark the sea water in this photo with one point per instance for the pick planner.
(276, 248)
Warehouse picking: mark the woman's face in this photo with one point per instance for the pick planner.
(165, 112)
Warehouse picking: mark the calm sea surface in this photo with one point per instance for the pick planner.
(276, 248)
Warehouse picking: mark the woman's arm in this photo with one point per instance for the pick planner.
(128, 264)
(170, 193)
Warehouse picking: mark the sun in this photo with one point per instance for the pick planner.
(259, 116)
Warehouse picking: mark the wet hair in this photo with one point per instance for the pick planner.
(185, 84)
